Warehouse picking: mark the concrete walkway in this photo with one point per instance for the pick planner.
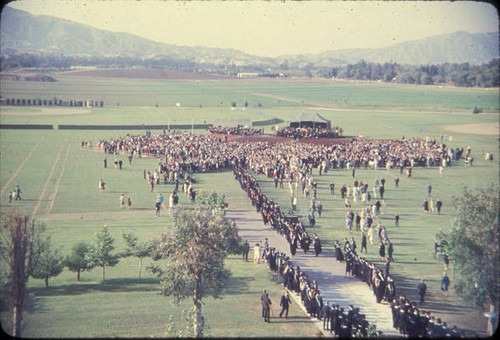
(328, 273)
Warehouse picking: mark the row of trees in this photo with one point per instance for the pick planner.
(188, 258)
(51, 102)
(463, 75)
(11, 62)
(26, 252)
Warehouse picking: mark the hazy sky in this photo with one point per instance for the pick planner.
(272, 28)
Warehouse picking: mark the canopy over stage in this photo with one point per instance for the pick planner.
(310, 120)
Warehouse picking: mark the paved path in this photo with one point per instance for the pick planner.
(328, 273)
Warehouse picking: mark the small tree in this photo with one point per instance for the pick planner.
(100, 252)
(213, 202)
(139, 250)
(473, 245)
(50, 264)
(194, 252)
(78, 260)
(21, 245)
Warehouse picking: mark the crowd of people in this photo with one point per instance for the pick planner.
(237, 131)
(202, 153)
(292, 229)
(183, 154)
(308, 132)
(409, 320)
(415, 323)
(337, 320)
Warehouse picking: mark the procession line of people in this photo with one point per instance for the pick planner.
(342, 322)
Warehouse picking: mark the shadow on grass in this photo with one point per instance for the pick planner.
(290, 319)
(238, 285)
(435, 304)
(112, 285)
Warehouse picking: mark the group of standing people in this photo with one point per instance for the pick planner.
(415, 323)
(15, 194)
(183, 154)
(202, 153)
(308, 132)
(337, 320)
(406, 317)
(291, 228)
(236, 131)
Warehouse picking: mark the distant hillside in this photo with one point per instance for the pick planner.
(458, 47)
(21, 32)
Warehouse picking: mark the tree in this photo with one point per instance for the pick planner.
(21, 245)
(50, 264)
(78, 261)
(212, 201)
(194, 251)
(284, 65)
(139, 250)
(472, 244)
(100, 252)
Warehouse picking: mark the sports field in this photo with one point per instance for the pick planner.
(59, 182)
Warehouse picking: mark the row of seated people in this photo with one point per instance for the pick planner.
(308, 132)
(238, 130)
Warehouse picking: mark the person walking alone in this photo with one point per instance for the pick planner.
(445, 284)
(285, 304)
(266, 306)
(246, 250)
(363, 243)
(422, 287)
(17, 193)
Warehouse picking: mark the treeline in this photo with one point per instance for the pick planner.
(51, 102)
(463, 75)
(46, 61)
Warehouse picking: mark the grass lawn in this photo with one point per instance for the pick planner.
(121, 306)
(59, 183)
(125, 307)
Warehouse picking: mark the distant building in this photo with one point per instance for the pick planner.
(247, 75)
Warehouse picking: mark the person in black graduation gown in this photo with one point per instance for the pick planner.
(422, 287)
(285, 304)
(317, 245)
(266, 305)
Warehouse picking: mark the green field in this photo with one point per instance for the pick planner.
(59, 183)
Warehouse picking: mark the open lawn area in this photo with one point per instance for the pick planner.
(59, 183)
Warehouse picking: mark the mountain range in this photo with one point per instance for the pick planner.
(21, 32)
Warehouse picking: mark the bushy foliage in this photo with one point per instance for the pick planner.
(77, 261)
(100, 252)
(462, 75)
(137, 249)
(50, 264)
(191, 255)
(472, 244)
